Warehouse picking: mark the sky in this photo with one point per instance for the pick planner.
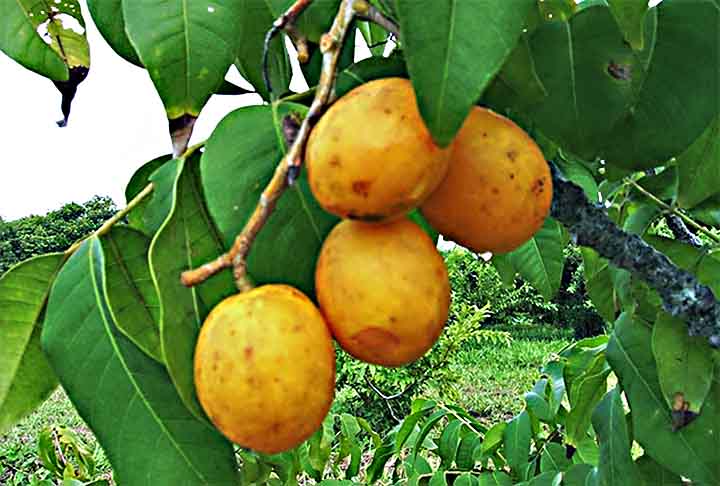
(117, 124)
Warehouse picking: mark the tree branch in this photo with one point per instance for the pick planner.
(681, 232)
(682, 294)
(288, 170)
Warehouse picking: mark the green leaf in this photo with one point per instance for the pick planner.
(506, 271)
(708, 212)
(586, 392)
(26, 378)
(441, 41)
(375, 37)
(706, 267)
(466, 479)
(432, 420)
(438, 478)
(109, 19)
(599, 284)
(234, 177)
(690, 451)
(640, 217)
(408, 427)
(187, 47)
(465, 457)
(125, 397)
(449, 442)
(537, 402)
(554, 458)
(516, 438)
(540, 260)
(699, 168)
(368, 70)
(678, 95)
(381, 456)
(157, 208)
(139, 180)
(630, 16)
(653, 474)
(684, 363)
(616, 464)
(21, 26)
(255, 20)
(132, 298)
(576, 172)
(494, 479)
(186, 240)
(577, 475)
(518, 78)
(493, 438)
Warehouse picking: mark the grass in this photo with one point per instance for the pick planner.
(493, 381)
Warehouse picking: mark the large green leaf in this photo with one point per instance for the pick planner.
(616, 465)
(540, 260)
(699, 168)
(367, 70)
(235, 175)
(26, 378)
(578, 474)
(186, 240)
(630, 16)
(599, 284)
(586, 392)
(132, 298)
(256, 20)
(653, 474)
(453, 49)
(690, 451)
(158, 206)
(23, 24)
(109, 19)
(187, 47)
(684, 363)
(678, 95)
(516, 438)
(125, 397)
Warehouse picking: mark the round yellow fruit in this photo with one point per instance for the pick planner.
(498, 189)
(383, 289)
(265, 368)
(371, 157)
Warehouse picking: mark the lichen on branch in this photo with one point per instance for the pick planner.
(682, 294)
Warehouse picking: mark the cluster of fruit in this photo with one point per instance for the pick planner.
(265, 362)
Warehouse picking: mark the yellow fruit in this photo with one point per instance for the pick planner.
(371, 157)
(498, 189)
(383, 289)
(265, 368)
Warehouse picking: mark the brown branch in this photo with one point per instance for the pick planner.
(682, 294)
(374, 15)
(288, 169)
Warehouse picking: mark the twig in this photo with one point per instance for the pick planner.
(385, 398)
(288, 170)
(682, 294)
(284, 22)
(672, 210)
(373, 14)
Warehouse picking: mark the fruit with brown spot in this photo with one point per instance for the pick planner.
(255, 378)
(498, 189)
(371, 157)
(383, 289)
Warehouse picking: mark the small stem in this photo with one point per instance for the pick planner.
(295, 97)
(289, 167)
(374, 15)
(672, 210)
(119, 216)
(284, 22)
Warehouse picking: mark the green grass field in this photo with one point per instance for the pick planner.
(493, 381)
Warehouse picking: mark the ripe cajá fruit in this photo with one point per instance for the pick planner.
(383, 289)
(498, 189)
(371, 157)
(265, 368)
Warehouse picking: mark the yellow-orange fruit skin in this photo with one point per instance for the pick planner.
(383, 289)
(498, 189)
(265, 368)
(371, 157)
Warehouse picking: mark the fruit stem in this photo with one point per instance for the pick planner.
(288, 169)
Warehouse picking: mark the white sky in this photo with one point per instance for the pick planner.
(117, 124)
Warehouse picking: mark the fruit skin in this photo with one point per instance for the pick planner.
(498, 189)
(383, 289)
(371, 157)
(265, 368)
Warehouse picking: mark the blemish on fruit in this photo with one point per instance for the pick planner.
(376, 338)
(335, 162)
(495, 191)
(248, 351)
(512, 155)
(387, 111)
(362, 188)
(512, 175)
